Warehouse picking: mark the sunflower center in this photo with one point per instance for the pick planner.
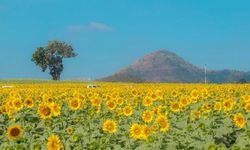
(46, 111)
(15, 132)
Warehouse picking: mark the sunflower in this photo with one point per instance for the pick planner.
(96, 101)
(175, 106)
(56, 109)
(195, 114)
(69, 130)
(111, 104)
(134, 92)
(136, 131)
(174, 93)
(217, 106)
(194, 94)
(109, 126)
(159, 94)
(153, 96)
(228, 105)
(240, 120)
(29, 103)
(247, 107)
(127, 111)
(147, 101)
(54, 143)
(184, 101)
(18, 104)
(120, 101)
(146, 131)
(75, 104)
(119, 111)
(147, 116)
(14, 132)
(44, 111)
(163, 122)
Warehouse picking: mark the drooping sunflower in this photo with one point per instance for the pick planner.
(136, 131)
(44, 110)
(54, 143)
(14, 132)
(109, 126)
(147, 116)
(240, 120)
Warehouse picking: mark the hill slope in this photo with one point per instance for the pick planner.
(165, 66)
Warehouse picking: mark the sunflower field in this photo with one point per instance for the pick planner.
(125, 116)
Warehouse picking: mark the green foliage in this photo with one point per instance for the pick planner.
(242, 81)
(51, 57)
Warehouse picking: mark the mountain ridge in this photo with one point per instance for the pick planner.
(166, 66)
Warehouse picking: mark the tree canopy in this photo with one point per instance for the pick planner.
(51, 57)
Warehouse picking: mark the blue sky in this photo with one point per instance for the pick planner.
(111, 34)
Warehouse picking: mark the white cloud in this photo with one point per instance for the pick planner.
(96, 26)
(100, 26)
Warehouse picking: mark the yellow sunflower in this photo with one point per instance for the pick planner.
(228, 105)
(147, 116)
(247, 107)
(147, 101)
(44, 110)
(163, 122)
(75, 104)
(111, 104)
(18, 104)
(56, 109)
(69, 130)
(120, 101)
(54, 143)
(175, 106)
(96, 101)
(146, 131)
(239, 120)
(29, 103)
(14, 132)
(128, 111)
(217, 106)
(136, 131)
(109, 126)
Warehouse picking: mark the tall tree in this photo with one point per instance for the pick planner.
(51, 57)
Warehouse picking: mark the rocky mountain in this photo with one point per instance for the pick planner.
(165, 66)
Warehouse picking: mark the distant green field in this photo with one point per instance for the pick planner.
(37, 81)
